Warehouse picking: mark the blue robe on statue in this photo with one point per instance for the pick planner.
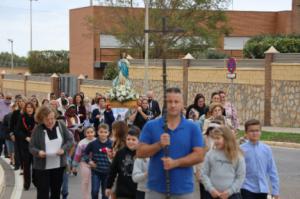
(123, 77)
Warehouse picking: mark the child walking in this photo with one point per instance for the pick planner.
(97, 155)
(140, 176)
(122, 166)
(260, 165)
(223, 171)
(85, 169)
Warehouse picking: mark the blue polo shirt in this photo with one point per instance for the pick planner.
(183, 139)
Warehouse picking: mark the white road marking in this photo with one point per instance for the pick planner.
(18, 187)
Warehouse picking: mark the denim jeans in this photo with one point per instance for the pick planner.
(65, 187)
(97, 180)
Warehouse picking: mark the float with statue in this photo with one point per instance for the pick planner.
(122, 95)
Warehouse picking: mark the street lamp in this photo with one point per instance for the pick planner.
(146, 86)
(31, 24)
(12, 53)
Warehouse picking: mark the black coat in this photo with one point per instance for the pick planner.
(122, 166)
(108, 118)
(154, 108)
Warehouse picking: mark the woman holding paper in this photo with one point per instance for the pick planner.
(49, 142)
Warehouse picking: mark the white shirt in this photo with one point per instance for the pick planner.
(51, 148)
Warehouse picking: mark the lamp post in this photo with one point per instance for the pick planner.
(12, 54)
(31, 23)
(146, 86)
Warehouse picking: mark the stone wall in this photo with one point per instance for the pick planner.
(248, 99)
(38, 88)
(253, 76)
(285, 103)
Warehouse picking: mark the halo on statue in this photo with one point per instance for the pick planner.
(122, 93)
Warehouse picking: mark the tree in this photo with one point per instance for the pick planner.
(5, 60)
(203, 21)
(48, 61)
(111, 71)
(256, 46)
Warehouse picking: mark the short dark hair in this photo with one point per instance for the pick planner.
(214, 93)
(173, 90)
(251, 122)
(101, 98)
(134, 131)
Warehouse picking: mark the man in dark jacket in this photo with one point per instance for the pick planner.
(102, 114)
(153, 105)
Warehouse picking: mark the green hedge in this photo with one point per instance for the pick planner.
(48, 61)
(111, 71)
(256, 46)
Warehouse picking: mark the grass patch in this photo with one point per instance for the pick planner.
(277, 136)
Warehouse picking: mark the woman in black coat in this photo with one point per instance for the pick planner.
(24, 127)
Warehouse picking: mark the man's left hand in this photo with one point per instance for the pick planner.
(169, 163)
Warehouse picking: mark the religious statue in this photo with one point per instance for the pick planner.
(122, 86)
(123, 76)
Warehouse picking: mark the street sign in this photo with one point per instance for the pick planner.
(231, 65)
(231, 76)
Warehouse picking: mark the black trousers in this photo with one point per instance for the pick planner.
(250, 195)
(202, 190)
(18, 152)
(27, 160)
(47, 181)
(234, 196)
(139, 195)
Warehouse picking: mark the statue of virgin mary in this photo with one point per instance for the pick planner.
(123, 76)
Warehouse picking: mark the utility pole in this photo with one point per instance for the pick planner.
(31, 23)
(12, 54)
(146, 81)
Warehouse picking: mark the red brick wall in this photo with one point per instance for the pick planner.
(296, 16)
(251, 23)
(81, 43)
(284, 22)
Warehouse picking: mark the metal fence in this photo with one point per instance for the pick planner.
(287, 58)
(215, 63)
(97, 82)
(68, 84)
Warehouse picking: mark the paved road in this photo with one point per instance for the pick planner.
(288, 163)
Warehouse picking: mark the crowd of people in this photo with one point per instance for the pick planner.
(133, 153)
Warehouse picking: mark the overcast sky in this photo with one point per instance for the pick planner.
(51, 21)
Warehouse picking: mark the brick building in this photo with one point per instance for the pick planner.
(91, 50)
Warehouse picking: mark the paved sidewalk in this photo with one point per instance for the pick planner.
(277, 129)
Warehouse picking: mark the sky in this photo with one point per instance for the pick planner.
(50, 19)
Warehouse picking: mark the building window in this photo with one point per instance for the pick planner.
(109, 41)
(235, 43)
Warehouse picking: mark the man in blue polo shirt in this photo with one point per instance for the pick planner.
(185, 142)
